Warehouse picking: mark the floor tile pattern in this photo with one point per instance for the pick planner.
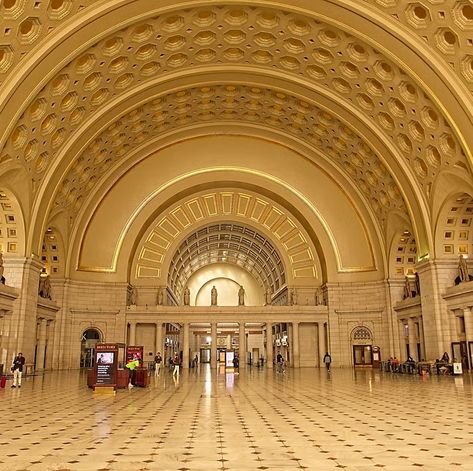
(360, 420)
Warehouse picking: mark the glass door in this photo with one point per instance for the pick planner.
(362, 355)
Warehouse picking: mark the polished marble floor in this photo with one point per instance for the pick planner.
(260, 420)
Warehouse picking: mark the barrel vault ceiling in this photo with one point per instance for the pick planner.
(86, 85)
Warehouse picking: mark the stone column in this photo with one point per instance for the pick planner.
(295, 341)
(40, 350)
(468, 317)
(402, 342)
(269, 344)
(291, 345)
(23, 273)
(213, 345)
(421, 339)
(412, 338)
(434, 277)
(132, 337)
(50, 343)
(242, 345)
(185, 348)
(159, 338)
(322, 348)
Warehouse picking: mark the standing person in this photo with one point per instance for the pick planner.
(158, 359)
(17, 369)
(327, 360)
(279, 363)
(176, 361)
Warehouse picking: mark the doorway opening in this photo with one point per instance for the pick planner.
(362, 355)
(87, 347)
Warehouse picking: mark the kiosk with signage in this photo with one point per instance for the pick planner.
(106, 365)
(110, 357)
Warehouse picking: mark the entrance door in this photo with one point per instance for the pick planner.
(87, 352)
(205, 355)
(362, 355)
(460, 354)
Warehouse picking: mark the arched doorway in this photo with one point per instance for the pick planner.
(362, 342)
(87, 348)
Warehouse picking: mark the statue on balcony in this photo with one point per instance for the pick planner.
(187, 296)
(241, 296)
(463, 269)
(44, 290)
(407, 288)
(160, 296)
(213, 296)
(132, 295)
(417, 280)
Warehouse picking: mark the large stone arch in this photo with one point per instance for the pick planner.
(414, 128)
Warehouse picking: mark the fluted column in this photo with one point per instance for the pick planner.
(295, 341)
(40, 350)
(269, 344)
(412, 338)
(322, 347)
(213, 345)
(242, 345)
(132, 337)
(185, 349)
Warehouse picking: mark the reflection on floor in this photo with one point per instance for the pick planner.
(259, 420)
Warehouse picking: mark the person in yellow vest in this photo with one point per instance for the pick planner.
(131, 365)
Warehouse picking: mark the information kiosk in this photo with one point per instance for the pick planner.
(106, 365)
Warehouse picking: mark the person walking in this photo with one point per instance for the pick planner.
(17, 369)
(176, 362)
(327, 360)
(158, 359)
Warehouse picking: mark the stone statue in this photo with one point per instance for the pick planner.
(241, 296)
(132, 295)
(2, 268)
(213, 296)
(187, 296)
(267, 296)
(417, 284)
(293, 297)
(45, 287)
(407, 288)
(463, 269)
(160, 296)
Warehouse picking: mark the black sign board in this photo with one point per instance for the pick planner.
(106, 364)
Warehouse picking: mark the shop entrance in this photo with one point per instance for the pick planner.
(460, 354)
(87, 347)
(362, 355)
(205, 355)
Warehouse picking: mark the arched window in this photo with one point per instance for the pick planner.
(361, 333)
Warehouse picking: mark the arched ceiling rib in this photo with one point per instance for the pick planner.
(227, 243)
